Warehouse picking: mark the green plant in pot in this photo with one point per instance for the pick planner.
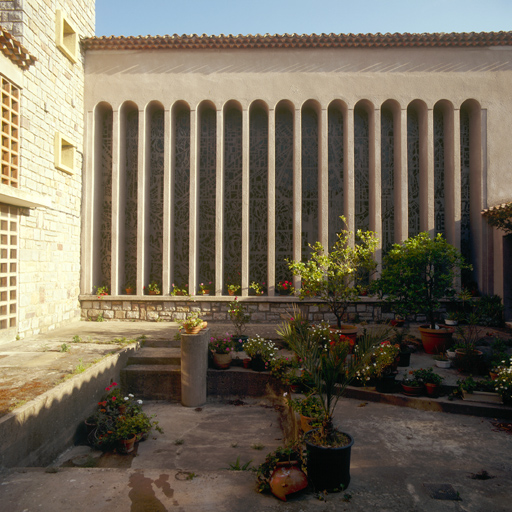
(261, 351)
(416, 275)
(334, 276)
(326, 361)
(192, 323)
(240, 317)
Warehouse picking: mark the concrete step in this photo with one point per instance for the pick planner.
(153, 381)
(156, 356)
(162, 343)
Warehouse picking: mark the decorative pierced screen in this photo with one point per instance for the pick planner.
(335, 173)
(465, 184)
(361, 170)
(232, 196)
(8, 265)
(10, 133)
(130, 222)
(207, 196)
(106, 189)
(284, 193)
(413, 171)
(439, 210)
(181, 197)
(258, 202)
(156, 196)
(387, 180)
(309, 180)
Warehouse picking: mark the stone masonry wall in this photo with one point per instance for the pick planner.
(216, 310)
(52, 100)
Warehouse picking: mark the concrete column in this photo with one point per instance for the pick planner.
(375, 179)
(348, 171)
(89, 246)
(297, 189)
(427, 220)
(401, 192)
(271, 235)
(194, 368)
(219, 213)
(168, 220)
(323, 177)
(143, 204)
(118, 201)
(245, 203)
(193, 257)
(456, 217)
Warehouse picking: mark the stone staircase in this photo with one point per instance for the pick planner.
(154, 371)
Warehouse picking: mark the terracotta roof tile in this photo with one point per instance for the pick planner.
(14, 50)
(471, 39)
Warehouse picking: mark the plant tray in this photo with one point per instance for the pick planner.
(482, 396)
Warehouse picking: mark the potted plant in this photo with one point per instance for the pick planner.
(416, 275)
(281, 472)
(486, 391)
(334, 276)
(328, 448)
(442, 361)
(285, 287)
(431, 380)
(153, 288)
(467, 357)
(381, 367)
(129, 288)
(204, 289)
(259, 289)
(179, 290)
(233, 289)
(192, 323)
(285, 370)
(101, 291)
(309, 409)
(261, 352)
(503, 381)
(412, 385)
(221, 348)
(451, 318)
(239, 316)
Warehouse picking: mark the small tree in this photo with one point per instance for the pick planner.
(418, 273)
(333, 276)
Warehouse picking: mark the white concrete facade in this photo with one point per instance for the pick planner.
(434, 82)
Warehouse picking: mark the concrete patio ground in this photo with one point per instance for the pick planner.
(402, 460)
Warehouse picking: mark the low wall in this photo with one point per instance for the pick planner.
(263, 309)
(36, 433)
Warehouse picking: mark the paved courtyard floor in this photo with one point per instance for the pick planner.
(402, 460)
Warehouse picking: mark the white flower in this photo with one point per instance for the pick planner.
(130, 395)
(285, 394)
(126, 398)
(139, 402)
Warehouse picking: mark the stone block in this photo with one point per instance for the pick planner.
(120, 315)
(127, 306)
(264, 306)
(152, 315)
(106, 305)
(108, 314)
(132, 315)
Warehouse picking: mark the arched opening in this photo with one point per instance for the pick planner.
(336, 113)
(258, 193)
(284, 189)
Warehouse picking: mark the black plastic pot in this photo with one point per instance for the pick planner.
(329, 468)
(386, 384)
(404, 358)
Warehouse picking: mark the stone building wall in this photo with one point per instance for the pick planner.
(52, 100)
(216, 310)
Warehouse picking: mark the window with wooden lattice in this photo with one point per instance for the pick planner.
(8, 266)
(10, 133)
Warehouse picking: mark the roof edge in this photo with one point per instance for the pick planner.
(194, 41)
(14, 50)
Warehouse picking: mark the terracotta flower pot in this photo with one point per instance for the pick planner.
(222, 361)
(286, 479)
(435, 341)
(193, 330)
(125, 446)
(412, 390)
(433, 389)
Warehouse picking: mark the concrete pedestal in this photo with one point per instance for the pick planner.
(194, 367)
